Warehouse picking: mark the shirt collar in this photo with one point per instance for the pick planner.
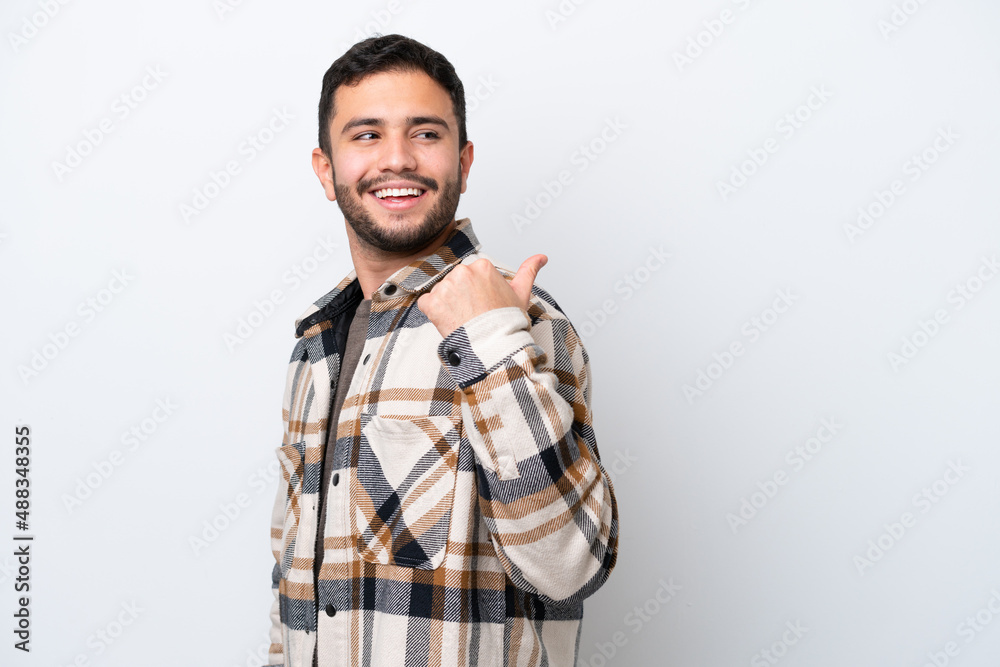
(416, 276)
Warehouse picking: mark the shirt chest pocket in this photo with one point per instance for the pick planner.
(404, 489)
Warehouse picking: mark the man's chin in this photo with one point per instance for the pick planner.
(391, 237)
(400, 232)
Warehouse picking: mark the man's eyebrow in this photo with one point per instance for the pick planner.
(357, 122)
(410, 120)
(427, 120)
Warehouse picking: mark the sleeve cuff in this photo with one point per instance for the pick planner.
(471, 351)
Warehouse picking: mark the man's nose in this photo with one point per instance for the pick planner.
(397, 154)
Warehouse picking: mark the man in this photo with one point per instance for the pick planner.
(443, 501)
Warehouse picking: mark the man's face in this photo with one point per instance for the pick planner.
(395, 131)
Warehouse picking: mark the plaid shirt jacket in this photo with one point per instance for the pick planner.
(468, 514)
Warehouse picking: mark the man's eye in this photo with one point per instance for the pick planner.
(428, 134)
(366, 135)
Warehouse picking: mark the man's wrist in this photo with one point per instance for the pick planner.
(473, 349)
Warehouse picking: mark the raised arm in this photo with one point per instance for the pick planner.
(525, 377)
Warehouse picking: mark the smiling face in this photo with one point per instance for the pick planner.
(395, 167)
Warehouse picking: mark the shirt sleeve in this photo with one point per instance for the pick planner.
(547, 500)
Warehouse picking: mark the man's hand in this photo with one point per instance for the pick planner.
(473, 289)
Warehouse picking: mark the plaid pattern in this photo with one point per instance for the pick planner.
(469, 515)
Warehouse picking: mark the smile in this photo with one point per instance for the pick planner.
(398, 192)
(399, 199)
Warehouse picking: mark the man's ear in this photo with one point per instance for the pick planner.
(324, 172)
(465, 161)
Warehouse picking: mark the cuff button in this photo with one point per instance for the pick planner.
(454, 358)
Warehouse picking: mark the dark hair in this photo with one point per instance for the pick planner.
(388, 53)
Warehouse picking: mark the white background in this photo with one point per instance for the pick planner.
(884, 80)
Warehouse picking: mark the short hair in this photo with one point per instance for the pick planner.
(388, 53)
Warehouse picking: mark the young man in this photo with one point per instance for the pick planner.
(443, 502)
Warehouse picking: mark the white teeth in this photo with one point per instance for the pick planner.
(397, 192)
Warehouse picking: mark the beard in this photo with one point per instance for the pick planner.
(397, 237)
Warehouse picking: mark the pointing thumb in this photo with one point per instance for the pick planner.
(524, 279)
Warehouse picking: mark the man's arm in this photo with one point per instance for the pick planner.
(547, 501)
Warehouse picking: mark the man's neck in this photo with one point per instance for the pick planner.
(374, 266)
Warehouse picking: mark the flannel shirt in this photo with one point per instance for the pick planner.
(469, 514)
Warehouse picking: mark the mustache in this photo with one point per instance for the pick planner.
(369, 184)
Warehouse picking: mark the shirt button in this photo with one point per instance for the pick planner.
(390, 289)
(330, 610)
(367, 357)
(336, 478)
(454, 358)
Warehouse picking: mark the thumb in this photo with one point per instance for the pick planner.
(523, 280)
